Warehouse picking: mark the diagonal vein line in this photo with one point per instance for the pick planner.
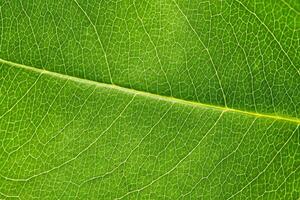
(41, 121)
(151, 95)
(220, 162)
(206, 49)
(78, 154)
(271, 33)
(98, 38)
(177, 164)
(154, 46)
(131, 152)
(290, 7)
(263, 171)
(22, 97)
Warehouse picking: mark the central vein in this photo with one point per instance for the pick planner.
(151, 95)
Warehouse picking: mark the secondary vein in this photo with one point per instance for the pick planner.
(150, 95)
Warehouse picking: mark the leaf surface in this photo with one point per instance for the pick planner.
(149, 99)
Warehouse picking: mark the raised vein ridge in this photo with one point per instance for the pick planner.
(151, 95)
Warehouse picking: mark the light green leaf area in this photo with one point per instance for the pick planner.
(162, 99)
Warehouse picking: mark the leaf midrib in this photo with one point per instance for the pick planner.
(150, 95)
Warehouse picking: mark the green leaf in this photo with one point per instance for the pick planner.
(160, 99)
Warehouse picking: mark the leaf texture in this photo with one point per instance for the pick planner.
(163, 99)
